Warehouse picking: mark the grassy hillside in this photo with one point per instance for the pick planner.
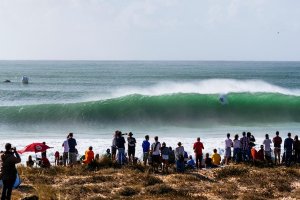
(136, 182)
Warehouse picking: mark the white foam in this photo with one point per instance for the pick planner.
(208, 86)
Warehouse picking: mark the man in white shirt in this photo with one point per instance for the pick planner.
(267, 142)
(228, 145)
(65, 145)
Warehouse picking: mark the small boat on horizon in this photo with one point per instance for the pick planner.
(25, 80)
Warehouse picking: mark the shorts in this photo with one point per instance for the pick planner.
(268, 154)
(277, 150)
(155, 159)
(165, 157)
(113, 150)
(228, 152)
(72, 158)
(131, 151)
(65, 155)
(145, 156)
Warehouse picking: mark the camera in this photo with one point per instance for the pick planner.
(124, 134)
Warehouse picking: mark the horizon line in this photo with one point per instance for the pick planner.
(148, 60)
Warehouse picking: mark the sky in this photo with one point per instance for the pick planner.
(150, 30)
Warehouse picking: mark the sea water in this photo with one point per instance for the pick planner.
(176, 100)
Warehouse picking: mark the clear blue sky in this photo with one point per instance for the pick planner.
(150, 29)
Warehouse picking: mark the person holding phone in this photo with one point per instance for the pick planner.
(8, 170)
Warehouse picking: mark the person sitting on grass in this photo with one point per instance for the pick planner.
(216, 158)
(45, 162)
(191, 163)
(254, 154)
(97, 158)
(29, 162)
(89, 156)
(108, 154)
(260, 154)
(208, 161)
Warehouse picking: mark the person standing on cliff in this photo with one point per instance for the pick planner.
(131, 147)
(198, 146)
(8, 170)
(277, 147)
(65, 145)
(72, 150)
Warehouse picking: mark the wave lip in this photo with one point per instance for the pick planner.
(209, 86)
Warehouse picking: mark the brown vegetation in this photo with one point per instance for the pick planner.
(136, 182)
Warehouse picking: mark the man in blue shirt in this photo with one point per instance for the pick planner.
(72, 150)
(288, 148)
(146, 147)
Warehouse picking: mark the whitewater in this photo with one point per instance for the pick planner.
(176, 100)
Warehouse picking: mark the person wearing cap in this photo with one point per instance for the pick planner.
(8, 170)
(131, 147)
(89, 156)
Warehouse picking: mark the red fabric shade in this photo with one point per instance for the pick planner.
(34, 147)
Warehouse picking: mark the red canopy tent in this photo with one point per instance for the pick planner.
(35, 147)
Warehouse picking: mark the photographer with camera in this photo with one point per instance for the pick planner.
(8, 170)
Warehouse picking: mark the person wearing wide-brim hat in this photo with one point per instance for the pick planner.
(131, 147)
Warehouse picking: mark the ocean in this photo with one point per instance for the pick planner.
(176, 100)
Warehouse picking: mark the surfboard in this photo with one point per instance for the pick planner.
(16, 184)
(223, 99)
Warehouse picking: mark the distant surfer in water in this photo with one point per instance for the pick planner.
(223, 99)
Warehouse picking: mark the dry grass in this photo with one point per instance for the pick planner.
(135, 182)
